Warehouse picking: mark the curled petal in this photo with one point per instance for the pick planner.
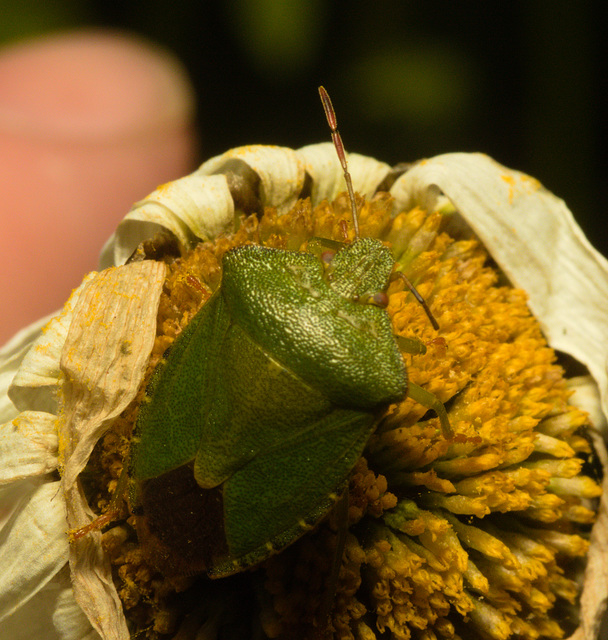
(327, 175)
(28, 446)
(36, 382)
(196, 206)
(52, 614)
(33, 541)
(586, 396)
(201, 205)
(280, 172)
(11, 357)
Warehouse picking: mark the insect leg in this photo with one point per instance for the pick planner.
(112, 513)
(413, 346)
(419, 298)
(431, 401)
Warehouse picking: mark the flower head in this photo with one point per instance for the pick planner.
(482, 533)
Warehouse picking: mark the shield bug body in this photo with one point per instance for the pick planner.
(256, 416)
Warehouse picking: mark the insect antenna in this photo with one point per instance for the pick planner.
(330, 114)
(419, 298)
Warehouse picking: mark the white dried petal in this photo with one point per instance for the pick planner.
(91, 574)
(103, 360)
(33, 541)
(201, 206)
(196, 206)
(68, 617)
(280, 171)
(11, 357)
(327, 175)
(51, 614)
(586, 396)
(28, 446)
(104, 356)
(7, 372)
(22, 339)
(533, 237)
(36, 381)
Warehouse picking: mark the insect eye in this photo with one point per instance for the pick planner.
(378, 299)
(327, 256)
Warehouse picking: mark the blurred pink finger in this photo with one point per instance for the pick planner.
(89, 123)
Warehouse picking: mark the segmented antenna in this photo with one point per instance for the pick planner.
(330, 114)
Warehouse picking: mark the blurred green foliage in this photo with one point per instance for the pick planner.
(23, 18)
(520, 81)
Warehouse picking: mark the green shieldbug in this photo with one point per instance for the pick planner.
(291, 359)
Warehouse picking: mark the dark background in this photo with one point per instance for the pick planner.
(521, 81)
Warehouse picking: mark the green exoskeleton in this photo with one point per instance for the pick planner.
(256, 416)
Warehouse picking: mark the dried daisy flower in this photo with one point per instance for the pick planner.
(497, 530)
